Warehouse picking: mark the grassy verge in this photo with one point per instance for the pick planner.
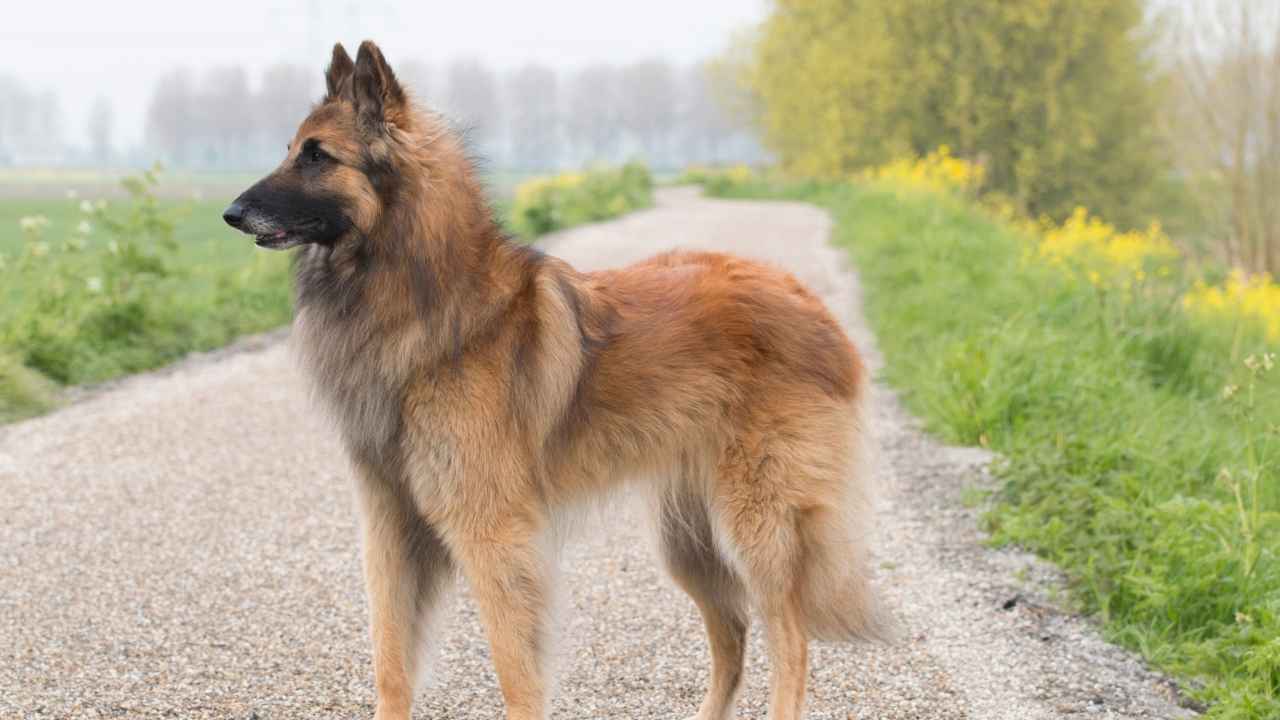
(1139, 443)
(95, 290)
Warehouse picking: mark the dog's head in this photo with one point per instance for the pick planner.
(338, 174)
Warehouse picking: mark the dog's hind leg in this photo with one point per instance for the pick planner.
(407, 573)
(760, 522)
(688, 549)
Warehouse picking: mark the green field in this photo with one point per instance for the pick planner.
(201, 233)
(98, 292)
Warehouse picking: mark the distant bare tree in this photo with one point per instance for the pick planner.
(1225, 121)
(706, 127)
(13, 114)
(31, 125)
(649, 106)
(46, 137)
(101, 124)
(281, 103)
(471, 102)
(415, 75)
(726, 79)
(531, 95)
(171, 116)
(17, 107)
(593, 117)
(226, 116)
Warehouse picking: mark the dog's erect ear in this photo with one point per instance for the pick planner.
(379, 98)
(337, 78)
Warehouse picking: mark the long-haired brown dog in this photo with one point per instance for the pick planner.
(484, 389)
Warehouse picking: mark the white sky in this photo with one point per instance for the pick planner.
(118, 49)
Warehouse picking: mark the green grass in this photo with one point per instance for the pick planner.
(1121, 459)
(170, 279)
(546, 204)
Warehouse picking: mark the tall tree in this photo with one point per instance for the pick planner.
(1055, 96)
(226, 116)
(593, 113)
(171, 115)
(471, 101)
(1224, 115)
(649, 106)
(101, 124)
(281, 103)
(533, 116)
(706, 123)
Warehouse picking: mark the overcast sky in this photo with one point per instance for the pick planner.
(118, 49)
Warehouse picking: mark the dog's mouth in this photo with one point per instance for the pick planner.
(292, 237)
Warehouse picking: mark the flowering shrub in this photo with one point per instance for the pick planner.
(1255, 297)
(1087, 245)
(939, 171)
(106, 289)
(547, 204)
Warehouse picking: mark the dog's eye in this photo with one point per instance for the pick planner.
(318, 155)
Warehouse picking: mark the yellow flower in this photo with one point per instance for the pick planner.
(938, 171)
(1242, 296)
(1105, 255)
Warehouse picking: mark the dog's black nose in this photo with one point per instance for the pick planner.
(234, 215)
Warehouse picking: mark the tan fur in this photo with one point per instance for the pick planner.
(482, 388)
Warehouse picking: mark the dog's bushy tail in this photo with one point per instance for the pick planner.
(838, 602)
(838, 599)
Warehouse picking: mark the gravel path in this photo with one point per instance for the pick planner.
(183, 545)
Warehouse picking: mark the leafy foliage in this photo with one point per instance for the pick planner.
(116, 295)
(1051, 96)
(547, 204)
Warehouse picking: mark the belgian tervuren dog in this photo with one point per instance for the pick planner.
(484, 390)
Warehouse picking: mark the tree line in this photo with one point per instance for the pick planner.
(528, 118)
(1135, 109)
(533, 117)
(31, 123)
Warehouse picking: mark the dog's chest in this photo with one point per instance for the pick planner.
(351, 379)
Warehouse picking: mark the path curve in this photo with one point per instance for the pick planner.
(183, 545)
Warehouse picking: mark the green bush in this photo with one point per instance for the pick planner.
(119, 295)
(23, 391)
(547, 204)
(1055, 97)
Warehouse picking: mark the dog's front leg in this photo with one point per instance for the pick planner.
(508, 574)
(407, 572)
